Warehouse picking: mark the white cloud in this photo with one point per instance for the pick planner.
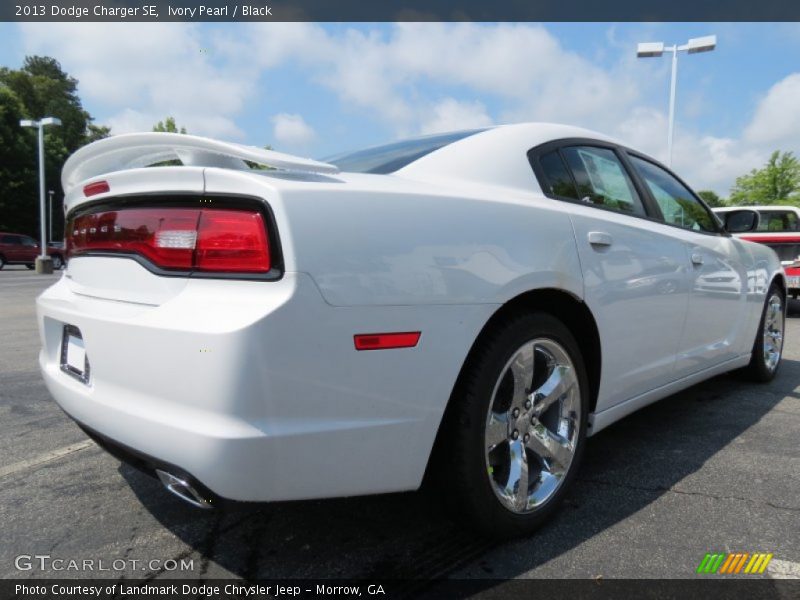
(777, 118)
(522, 65)
(141, 73)
(292, 130)
(450, 114)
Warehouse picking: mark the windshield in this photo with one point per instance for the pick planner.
(391, 157)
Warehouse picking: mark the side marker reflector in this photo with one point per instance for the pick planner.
(385, 341)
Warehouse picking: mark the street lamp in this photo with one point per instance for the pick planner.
(43, 263)
(655, 49)
(50, 212)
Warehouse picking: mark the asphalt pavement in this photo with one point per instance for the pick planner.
(715, 468)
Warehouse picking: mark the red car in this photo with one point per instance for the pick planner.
(17, 249)
(779, 228)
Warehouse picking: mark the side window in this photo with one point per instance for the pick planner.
(602, 180)
(559, 181)
(28, 241)
(11, 239)
(778, 220)
(678, 205)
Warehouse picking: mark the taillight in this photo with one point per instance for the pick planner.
(233, 241)
(209, 240)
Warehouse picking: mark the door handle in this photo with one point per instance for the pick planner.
(697, 259)
(600, 238)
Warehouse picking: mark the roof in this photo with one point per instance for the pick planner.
(497, 156)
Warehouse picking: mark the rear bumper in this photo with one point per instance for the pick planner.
(150, 465)
(254, 389)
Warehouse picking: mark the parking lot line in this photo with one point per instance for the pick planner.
(34, 462)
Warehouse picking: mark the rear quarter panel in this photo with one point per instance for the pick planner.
(386, 241)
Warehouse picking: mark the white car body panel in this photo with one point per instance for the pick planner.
(231, 380)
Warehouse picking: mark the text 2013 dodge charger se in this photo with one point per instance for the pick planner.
(466, 307)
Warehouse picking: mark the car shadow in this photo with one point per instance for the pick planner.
(407, 536)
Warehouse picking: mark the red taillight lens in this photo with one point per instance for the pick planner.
(209, 240)
(233, 241)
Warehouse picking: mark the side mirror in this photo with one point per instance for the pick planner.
(741, 221)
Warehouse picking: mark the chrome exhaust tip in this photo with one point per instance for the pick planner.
(183, 489)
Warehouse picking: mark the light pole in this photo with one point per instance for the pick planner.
(43, 262)
(693, 46)
(50, 213)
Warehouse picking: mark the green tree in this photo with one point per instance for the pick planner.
(777, 182)
(257, 166)
(40, 88)
(711, 198)
(168, 126)
(18, 169)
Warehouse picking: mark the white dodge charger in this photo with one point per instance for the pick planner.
(463, 309)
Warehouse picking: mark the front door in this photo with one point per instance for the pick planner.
(717, 317)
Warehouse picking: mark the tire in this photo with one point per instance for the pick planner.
(29, 266)
(482, 485)
(58, 262)
(768, 346)
(2, 262)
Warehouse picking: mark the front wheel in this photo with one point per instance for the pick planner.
(768, 347)
(515, 432)
(57, 262)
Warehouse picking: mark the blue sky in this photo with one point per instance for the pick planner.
(315, 89)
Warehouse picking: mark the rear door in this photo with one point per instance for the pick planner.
(717, 319)
(29, 249)
(634, 269)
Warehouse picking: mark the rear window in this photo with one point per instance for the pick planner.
(778, 220)
(392, 157)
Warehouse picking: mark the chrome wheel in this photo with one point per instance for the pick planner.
(773, 331)
(533, 425)
(57, 262)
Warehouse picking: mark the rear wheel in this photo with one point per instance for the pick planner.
(515, 432)
(29, 266)
(2, 262)
(768, 347)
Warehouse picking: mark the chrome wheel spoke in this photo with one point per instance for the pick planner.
(522, 370)
(553, 389)
(554, 449)
(496, 430)
(516, 489)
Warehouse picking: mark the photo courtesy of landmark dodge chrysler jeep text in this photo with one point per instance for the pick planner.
(465, 308)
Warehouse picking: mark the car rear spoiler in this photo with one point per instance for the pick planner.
(134, 150)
